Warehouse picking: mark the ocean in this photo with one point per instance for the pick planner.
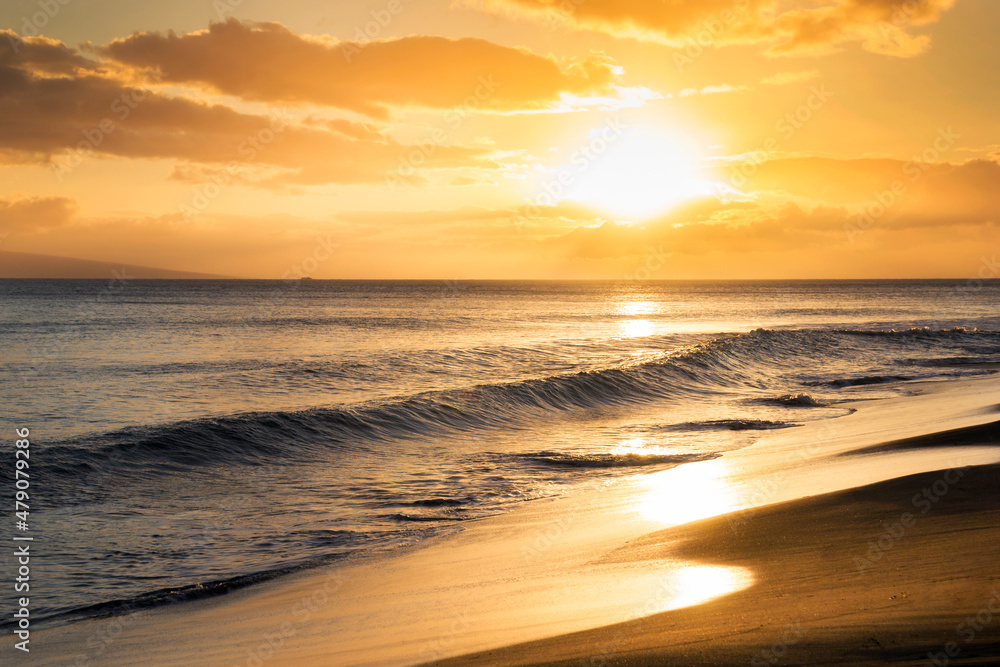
(193, 437)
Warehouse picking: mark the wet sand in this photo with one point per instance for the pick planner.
(855, 577)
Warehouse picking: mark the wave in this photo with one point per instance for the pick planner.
(419, 518)
(728, 363)
(955, 361)
(437, 502)
(921, 332)
(564, 460)
(728, 425)
(860, 381)
(171, 595)
(793, 401)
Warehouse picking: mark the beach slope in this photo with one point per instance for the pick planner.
(855, 577)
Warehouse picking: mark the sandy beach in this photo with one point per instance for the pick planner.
(864, 539)
(856, 577)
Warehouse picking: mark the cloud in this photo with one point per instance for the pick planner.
(411, 218)
(563, 211)
(845, 215)
(349, 128)
(267, 62)
(41, 54)
(929, 191)
(36, 213)
(82, 112)
(469, 180)
(787, 26)
(706, 238)
(706, 226)
(809, 205)
(263, 246)
(785, 78)
(880, 24)
(709, 90)
(819, 241)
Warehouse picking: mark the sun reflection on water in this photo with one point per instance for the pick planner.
(636, 308)
(636, 328)
(632, 446)
(640, 447)
(695, 584)
(688, 493)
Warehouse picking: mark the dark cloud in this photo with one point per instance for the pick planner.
(63, 119)
(268, 62)
(41, 54)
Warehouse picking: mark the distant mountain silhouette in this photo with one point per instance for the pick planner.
(28, 265)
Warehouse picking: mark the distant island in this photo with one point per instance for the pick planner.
(29, 265)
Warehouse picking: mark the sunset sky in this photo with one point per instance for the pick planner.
(505, 138)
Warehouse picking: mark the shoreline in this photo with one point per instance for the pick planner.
(568, 573)
(855, 577)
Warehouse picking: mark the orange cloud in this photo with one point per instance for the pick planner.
(566, 211)
(266, 245)
(785, 78)
(711, 90)
(468, 180)
(64, 119)
(939, 191)
(707, 238)
(880, 24)
(816, 235)
(267, 62)
(41, 54)
(35, 213)
(788, 26)
(707, 226)
(802, 204)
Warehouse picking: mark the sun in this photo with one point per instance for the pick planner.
(640, 174)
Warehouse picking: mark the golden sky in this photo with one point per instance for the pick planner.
(505, 138)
